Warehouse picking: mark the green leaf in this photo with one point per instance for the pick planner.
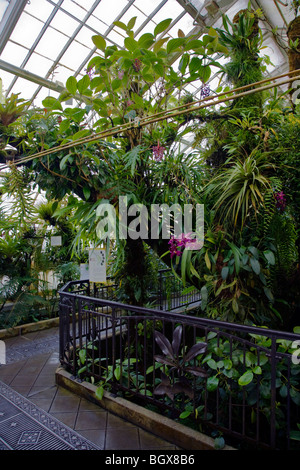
(131, 23)
(224, 272)
(83, 84)
(86, 192)
(183, 63)
(207, 260)
(82, 355)
(184, 414)
(246, 378)
(235, 306)
(212, 383)
(64, 125)
(63, 163)
(204, 297)
(269, 255)
(195, 65)
(212, 364)
(71, 85)
(80, 134)
(175, 44)
(120, 25)
(159, 69)
(255, 265)
(146, 40)
(99, 392)
(162, 26)
(52, 103)
(269, 294)
(205, 73)
(131, 44)
(158, 45)
(99, 42)
(117, 373)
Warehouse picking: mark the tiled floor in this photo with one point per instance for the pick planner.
(32, 360)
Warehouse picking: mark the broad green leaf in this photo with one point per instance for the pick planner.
(255, 265)
(64, 125)
(131, 23)
(162, 26)
(174, 44)
(205, 73)
(212, 383)
(121, 25)
(246, 378)
(269, 294)
(146, 40)
(138, 100)
(212, 32)
(80, 134)
(82, 355)
(195, 45)
(235, 306)
(159, 69)
(184, 414)
(86, 192)
(83, 84)
(63, 163)
(71, 85)
(131, 44)
(99, 42)
(99, 392)
(184, 63)
(195, 64)
(117, 373)
(212, 364)
(52, 103)
(158, 45)
(269, 255)
(224, 272)
(257, 370)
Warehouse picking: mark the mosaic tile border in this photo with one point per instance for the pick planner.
(16, 410)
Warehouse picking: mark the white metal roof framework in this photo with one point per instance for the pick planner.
(43, 42)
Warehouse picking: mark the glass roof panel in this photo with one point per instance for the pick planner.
(14, 53)
(26, 30)
(52, 38)
(39, 9)
(74, 56)
(51, 43)
(108, 10)
(79, 11)
(171, 9)
(147, 7)
(64, 23)
(38, 64)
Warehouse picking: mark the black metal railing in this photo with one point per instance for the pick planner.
(172, 294)
(244, 382)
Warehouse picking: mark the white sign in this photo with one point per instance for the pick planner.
(84, 271)
(56, 241)
(97, 265)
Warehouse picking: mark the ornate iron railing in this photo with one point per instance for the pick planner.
(245, 384)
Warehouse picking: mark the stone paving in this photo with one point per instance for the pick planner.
(32, 360)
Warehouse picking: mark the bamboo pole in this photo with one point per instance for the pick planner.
(169, 114)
